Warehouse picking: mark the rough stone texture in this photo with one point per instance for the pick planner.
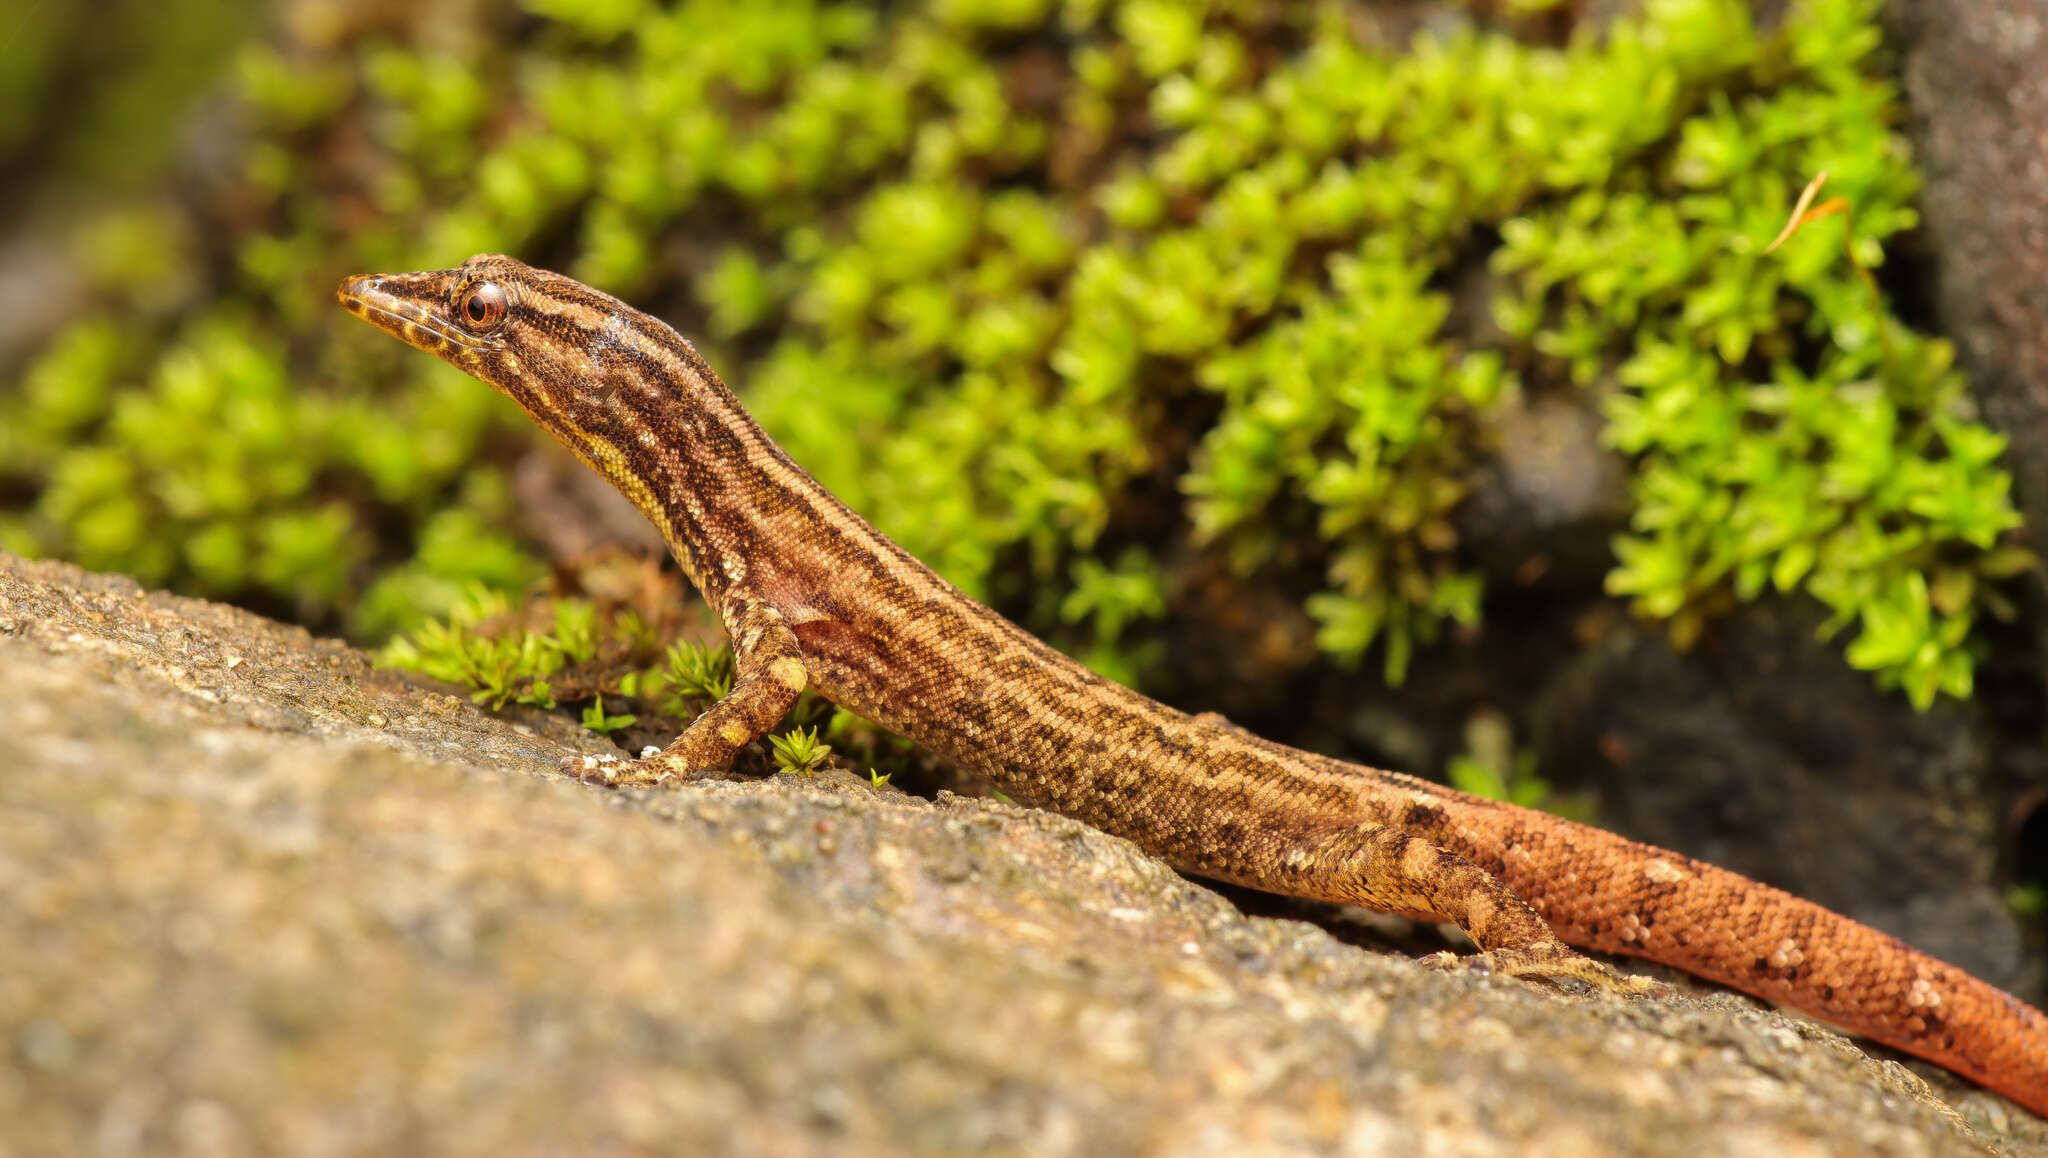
(256, 898)
(1979, 97)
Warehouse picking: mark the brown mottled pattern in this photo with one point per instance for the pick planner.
(811, 594)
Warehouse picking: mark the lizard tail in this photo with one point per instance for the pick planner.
(1606, 892)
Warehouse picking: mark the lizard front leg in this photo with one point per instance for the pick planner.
(1383, 868)
(768, 675)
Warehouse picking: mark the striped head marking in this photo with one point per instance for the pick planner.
(554, 345)
(599, 375)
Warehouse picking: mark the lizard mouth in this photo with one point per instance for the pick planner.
(400, 308)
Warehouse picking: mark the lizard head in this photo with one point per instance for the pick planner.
(548, 342)
(596, 373)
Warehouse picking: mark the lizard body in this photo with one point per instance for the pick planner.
(811, 595)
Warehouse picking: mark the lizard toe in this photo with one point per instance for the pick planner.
(1552, 965)
(613, 772)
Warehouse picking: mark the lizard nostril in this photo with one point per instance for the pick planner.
(359, 285)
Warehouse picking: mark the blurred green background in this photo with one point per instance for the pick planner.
(1115, 311)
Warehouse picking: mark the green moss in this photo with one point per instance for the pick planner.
(479, 645)
(619, 668)
(1790, 434)
(996, 270)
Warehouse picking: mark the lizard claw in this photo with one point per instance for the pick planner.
(1552, 965)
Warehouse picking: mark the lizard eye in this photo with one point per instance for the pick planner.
(483, 307)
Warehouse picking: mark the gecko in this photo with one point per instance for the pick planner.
(811, 595)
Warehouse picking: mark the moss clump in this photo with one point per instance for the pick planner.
(1789, 432)
(997, 270)
(632, 664)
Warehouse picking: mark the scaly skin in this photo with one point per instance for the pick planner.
(812, 595)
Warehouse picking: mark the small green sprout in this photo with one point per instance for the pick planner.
(595, 719)
(799, 751)
(512, 666)
(695, 672)
(576, 630)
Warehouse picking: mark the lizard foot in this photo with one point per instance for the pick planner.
(1554, 965)
(613, 772)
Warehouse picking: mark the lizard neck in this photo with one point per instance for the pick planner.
(676, 441)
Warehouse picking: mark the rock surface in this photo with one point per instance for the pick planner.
(258, 898)
(1979, 102)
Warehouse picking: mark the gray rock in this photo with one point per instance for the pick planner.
(1979, 100)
